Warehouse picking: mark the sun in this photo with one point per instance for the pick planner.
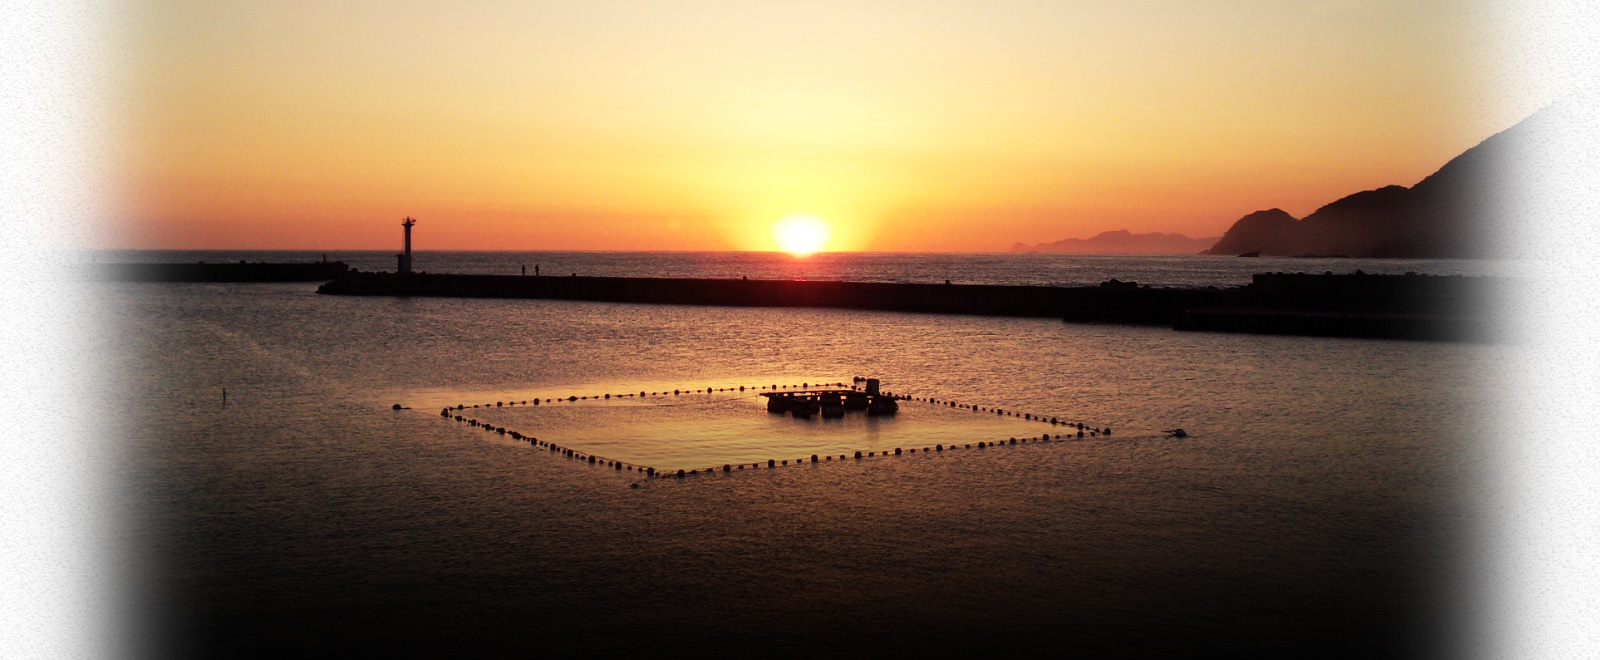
(801, 234)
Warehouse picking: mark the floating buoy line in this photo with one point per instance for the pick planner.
(461, 413)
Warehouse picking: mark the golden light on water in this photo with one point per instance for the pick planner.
(801, 234)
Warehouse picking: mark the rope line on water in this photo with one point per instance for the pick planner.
(650, 472)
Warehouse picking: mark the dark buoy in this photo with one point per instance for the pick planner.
(1178, 433)
(858, 455)
(728, 468)
(1080, 433)
(771, 463)
(680, 473)
(1106, 430)
(939, 447)
(634, 485)
(896, 451)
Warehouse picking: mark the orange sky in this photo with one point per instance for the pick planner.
(920, 126)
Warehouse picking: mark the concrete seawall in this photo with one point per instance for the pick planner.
(224, 272)
(1107, 304)
(1365, 306)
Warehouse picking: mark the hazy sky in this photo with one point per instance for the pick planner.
(927, 125)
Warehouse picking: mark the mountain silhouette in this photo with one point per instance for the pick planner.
(1454, 212)
(1121, 241)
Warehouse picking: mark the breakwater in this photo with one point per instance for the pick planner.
(1450, 308)
(312, 271)
(1120, 304)
(1349, 305)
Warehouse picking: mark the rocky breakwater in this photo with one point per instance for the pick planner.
(1410, 306)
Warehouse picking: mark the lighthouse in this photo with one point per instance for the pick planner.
(405, 257)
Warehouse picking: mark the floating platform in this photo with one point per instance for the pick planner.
(830, 403)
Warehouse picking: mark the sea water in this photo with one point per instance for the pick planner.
(1315, 507)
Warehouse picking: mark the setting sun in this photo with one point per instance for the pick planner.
(801, 234)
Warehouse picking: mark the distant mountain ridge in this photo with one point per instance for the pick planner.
(1457, 212)
(1121, 241)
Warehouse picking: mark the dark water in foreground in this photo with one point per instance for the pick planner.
(1312, 511)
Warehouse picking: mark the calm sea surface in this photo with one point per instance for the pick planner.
(1022, 269)
(1314, 509)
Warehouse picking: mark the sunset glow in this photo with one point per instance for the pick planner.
(801, 234)
(671, 126)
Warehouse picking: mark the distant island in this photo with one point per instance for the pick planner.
(1453, 213)
(1121, 242)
